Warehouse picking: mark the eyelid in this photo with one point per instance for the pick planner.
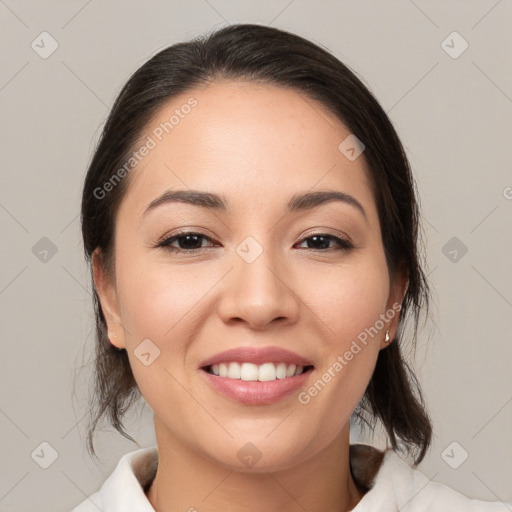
(182, 232)
(344, 243)
(329, 232)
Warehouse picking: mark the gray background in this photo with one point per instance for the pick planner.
(453, 115)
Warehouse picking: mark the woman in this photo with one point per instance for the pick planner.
(252, 227)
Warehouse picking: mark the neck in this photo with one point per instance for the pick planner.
(186, 480)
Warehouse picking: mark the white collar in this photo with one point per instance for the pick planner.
(396, 486)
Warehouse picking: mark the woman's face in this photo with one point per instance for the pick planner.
(252, 276)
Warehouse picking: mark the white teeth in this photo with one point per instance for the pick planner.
(266, 372)
(281, 370)
(253, 372)
(234, 371)
(248, 371)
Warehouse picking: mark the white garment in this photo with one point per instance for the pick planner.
(396, 487)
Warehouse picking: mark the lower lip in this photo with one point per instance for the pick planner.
(256, 392)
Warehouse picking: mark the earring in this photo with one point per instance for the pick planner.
(386, 339)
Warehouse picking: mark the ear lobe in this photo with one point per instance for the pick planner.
(398, 290)
(107, 294)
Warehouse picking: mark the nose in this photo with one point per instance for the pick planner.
(259, 293)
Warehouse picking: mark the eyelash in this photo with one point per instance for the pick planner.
(344, 245)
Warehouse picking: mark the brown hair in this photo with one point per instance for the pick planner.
(270, 55)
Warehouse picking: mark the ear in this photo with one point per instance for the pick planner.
(397, 291)
(107, 293)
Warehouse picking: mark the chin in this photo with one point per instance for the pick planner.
(261, 455)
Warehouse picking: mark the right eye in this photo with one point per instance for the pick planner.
(343, 244)
(187, 239)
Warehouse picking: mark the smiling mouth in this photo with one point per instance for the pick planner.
(252, 372)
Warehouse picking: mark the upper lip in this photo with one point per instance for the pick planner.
(257, 355)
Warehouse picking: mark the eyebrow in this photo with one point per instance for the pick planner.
(298, 202)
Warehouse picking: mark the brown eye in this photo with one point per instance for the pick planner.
(188, 241)
(321, 242)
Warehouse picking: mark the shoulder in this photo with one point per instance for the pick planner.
(124, 489)
(394, 485)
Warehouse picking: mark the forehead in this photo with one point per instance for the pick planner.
(256, 144)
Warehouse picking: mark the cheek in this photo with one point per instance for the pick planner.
(167, 305)
(348, 303)
(160, 304)
(156, 300)
(348, 299)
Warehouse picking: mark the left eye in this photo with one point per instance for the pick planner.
(188, 242)
(343, 244)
